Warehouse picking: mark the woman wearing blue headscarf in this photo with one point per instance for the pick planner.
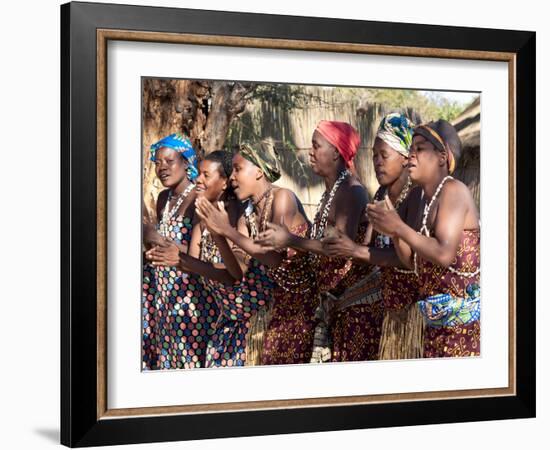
(177, 314)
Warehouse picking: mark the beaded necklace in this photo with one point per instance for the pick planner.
(382, 240)
(250, 213)
(264, 212)
(168, 214)
(209, 250)
(251, 217)
(295, 279)
(293, 274)
(401, 197)
(424, 230)
(321, 218)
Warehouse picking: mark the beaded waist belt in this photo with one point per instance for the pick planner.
(365, 292)
(444, 310)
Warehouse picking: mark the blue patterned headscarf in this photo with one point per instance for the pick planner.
(397, 131)
(183, 146)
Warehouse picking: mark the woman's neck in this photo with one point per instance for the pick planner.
(263, 186)
(331, 177)
(430, 187)
(182, 185)
(394, 189)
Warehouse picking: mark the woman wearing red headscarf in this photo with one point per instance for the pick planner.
(346, 330)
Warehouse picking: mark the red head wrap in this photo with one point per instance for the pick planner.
(343, 136)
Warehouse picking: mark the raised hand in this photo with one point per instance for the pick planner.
(384, 217)
(215, 217)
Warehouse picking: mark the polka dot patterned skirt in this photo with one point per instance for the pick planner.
(178, 313)
(237, 303)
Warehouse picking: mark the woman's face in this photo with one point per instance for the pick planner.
(322, 155)
(388, 164)
(170, 167)
(244, 178)
(210, 182)
(425, 161)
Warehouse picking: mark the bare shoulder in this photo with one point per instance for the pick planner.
(163, 196)
(284, 196)
(162, 199)
(353, 191)
(455, 189)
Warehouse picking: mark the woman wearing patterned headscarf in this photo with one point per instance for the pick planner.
(444, 251)
(255, 168)
(402, 327)
(176, 321)
(175, 164)
(341, 333)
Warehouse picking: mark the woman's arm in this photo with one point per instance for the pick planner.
(188, 260)
(234, 263)
(341, 246)
(195, 242)
(449, 223)
(404, 253)
(170, 255)
(150, 236)
(347, 216)
(216, 219)
(412, 216)
(216, 272)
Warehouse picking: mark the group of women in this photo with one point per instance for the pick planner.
(235, 273)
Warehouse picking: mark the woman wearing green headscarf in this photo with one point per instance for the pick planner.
(401, 336)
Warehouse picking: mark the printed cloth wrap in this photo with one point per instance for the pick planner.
(182, 145)
(444, 310)
(263, 155)
(396, 130)
(343, 136)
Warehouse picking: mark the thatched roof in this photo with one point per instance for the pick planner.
(468, 125)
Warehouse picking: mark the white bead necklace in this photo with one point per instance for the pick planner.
(320, 220)
(424, 230)
(424, 227)
(167, 213)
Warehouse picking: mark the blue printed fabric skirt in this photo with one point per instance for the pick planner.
(237, 303)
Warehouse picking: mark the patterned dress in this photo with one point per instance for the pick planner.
(237, 304)
(399, 290)
(178, 313)
(454, 339)
(354, 330)
(289, 337)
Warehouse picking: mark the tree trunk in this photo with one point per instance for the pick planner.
(227, 101)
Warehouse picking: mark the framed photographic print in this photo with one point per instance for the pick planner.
(244, 199)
